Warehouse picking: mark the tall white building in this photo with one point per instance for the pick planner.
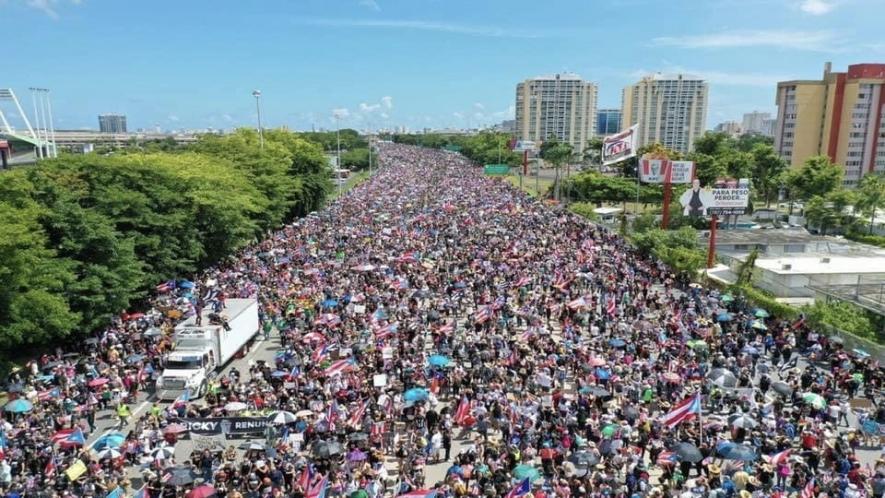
(670, 109)
(757, 122)
(561, 105)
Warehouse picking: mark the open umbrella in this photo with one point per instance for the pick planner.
(760, 313)
(609, 430)
(283, 418)
(837, 340)
(438, 360)
(723, 317)
(726, 298)
(110, 440)
(134, 358)
(672, 377)
(416, 394)
(98, 382)
(815, 400)
(19, 405)
(524, 471)
(326, 449)
(174, 429)
(781, 388)
(722, 378)
(742, 421)
(330, 303)
(109, 453)
(860, 352)
(303, 413)
(597, 391)
(277, 374)
(179, 476)
(688, 452)
(697, 344)
(584, 459)
(204, 491)
(596, 361)
(253, 446)
(356, 456)
(733, 451)
(235, 406)
(163, 453)
(617, 343)
(758, 325)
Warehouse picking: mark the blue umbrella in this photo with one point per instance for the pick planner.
(455, 469)
(733, 451)
(438, 360)
(185, 284)
(134, 358)
(861, 353)
(19, 405)
(603, 374)
(111, 440)
(279, 373)
(330, 303)
(416, 394)
(617, 343)
(723, 317)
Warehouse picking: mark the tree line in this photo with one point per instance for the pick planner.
(85, 236)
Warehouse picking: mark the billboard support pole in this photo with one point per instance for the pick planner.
(711, 252)
(668, 192)
(525, 166)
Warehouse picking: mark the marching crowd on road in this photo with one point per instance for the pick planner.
(433, 318)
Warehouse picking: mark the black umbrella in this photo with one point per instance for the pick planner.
(722, 378)
(688, 452)
(179, 477)
(782, 388)
(358, 436)
(324, 449)
(583, 459)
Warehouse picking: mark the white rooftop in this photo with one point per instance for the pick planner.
(674, 76)
(562, 76)
(814, 265)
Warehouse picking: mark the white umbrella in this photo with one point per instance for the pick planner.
(235, 406)
(163, 453)
(304, 413)
(283, 418)
(111, 453)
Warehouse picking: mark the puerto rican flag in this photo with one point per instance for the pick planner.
(400, 283)
(328, 319)
(808, 490)
(685, 410)
(183, 399)
(356, 417)
(340, 367)
(562, 282)
(667, 458)
(320, 354)
(314, 337)
(48, 394)
(419, 493)
(319, 491)
(577, 304)
(611, 307)
(332, 416)
(483, 314)
(165, 287)
(306, 477)
(522, 282)
(446, 328)
(409, 257)
(520, 489)
(778, 458)
(377, 430)
(463, 411)
(499, 303)
(386, 331)
(51, 468)
(799, 323)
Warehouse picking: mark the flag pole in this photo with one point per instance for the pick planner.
(700, 418)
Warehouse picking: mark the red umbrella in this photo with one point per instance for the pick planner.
(204, 491)
(547, 454)
(596, 362)
(174, 429)
(132, 316)
(98, 382)
(672, 377)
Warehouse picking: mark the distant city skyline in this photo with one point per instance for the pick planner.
(389, 63)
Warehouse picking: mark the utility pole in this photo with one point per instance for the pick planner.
(257, 95)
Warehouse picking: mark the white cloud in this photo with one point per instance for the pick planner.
(48, 7)
(384, 115)
(387, 102)
(458, 115)
(461, 29)
(340, 113)
(479, 106)
(228, 118)
(817, 7)
(173, 118)
(799, 40)
(370, 4)
(369, 108)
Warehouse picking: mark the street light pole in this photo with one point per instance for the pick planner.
(257, 95)
(338, 139)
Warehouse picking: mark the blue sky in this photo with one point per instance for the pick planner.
(435, 63)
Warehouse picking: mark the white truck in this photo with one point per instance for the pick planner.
(199, 350)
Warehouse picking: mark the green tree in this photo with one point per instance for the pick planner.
(593, 152)
(355, 159)
(871, 197)
(820, 213)
(766, 171)
(817, 177)
(556, 153)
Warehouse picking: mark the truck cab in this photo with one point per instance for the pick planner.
(186, 370)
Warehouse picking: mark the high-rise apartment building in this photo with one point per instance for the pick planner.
(757, 122)
(608, 121)
(670, 109)
(840, 116)
(731, 128)
(562, 106)
(112, 123)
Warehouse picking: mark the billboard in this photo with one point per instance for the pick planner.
(524, 145)
(659, 170)
(620, 146)
(727, 198)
